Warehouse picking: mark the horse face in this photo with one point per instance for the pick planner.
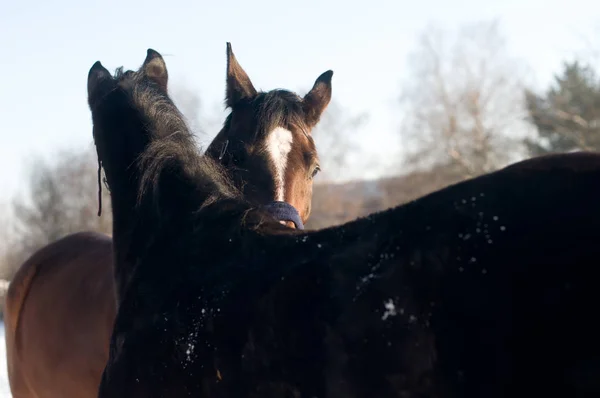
(266, 141)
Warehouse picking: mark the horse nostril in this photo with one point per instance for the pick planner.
(290, 224)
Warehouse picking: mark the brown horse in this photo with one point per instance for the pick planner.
(60, 305)
(488, 288)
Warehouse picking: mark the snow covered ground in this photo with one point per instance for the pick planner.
(4, 387)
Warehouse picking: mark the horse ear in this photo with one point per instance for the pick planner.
(239, 85)
(317, 99)
(155, 68)
(97, 74)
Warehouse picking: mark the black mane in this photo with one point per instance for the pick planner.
(173, 151)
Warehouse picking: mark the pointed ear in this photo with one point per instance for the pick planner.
(239, 85)
(96, 76)
(154, 68)
(317, 99)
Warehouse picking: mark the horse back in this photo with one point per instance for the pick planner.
(46, 286)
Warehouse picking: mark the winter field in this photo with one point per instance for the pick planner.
(4, 388)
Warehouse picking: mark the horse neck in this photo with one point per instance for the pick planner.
(172, 183)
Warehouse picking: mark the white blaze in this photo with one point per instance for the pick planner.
(279, 145)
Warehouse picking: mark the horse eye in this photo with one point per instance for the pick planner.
(316, 171)
(239, 157)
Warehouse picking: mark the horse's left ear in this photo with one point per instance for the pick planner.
(155, 68)
(317, 99)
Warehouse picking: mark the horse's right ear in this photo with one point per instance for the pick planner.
(96, 75)
(155, 68)
(239, 85)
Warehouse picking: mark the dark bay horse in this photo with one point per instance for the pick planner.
(488, 288)
(60, 307)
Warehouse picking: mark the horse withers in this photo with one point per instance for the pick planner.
(487, 288)
(60, 308)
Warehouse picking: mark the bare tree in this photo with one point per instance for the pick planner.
(6, 237)
(464, 98)
(62, 198)
(339, 152)
(6, 262)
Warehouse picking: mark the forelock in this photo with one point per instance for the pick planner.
(279, 108)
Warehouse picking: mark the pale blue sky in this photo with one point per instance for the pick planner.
(48, 48)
